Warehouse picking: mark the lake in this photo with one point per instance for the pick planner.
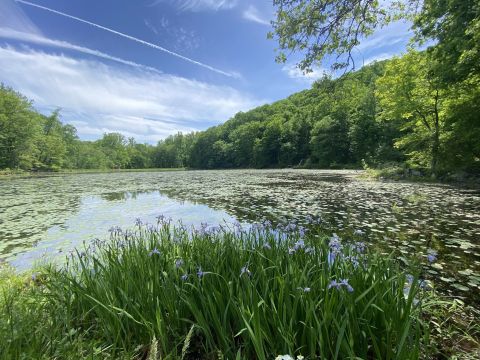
(45, 217)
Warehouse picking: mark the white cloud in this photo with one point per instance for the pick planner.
(378, 57)
(252, 14)
(138, 103)
(394, 34)
(201, 5)
(41, 40)
(293, 72)
(180, 38)
(13, 17)
(143, 130)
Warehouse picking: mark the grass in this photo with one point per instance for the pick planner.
(169, 292)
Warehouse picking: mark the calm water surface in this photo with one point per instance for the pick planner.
(51, 215)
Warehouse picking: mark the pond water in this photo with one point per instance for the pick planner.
(50, 215)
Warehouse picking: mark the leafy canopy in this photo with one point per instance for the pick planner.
(319, 28)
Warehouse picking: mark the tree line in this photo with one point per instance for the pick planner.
(388, 112)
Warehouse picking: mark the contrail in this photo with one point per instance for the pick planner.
(218, 71)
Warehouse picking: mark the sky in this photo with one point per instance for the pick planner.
(152, 68)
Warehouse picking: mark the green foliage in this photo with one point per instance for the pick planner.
(461, 145)
(34, 327)
(251, 294)
(439, 127)
(420, 92)
(455, 25)
(19, 129)
(408, 91)
(330, 141)
(34, 142)
(332, 124)
(319, 28)
(324, 27)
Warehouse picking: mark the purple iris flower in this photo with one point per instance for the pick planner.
(360, 247)
(300, 244)
(301, 231)
(179, 263)
(335, 244)
(432, 256)
(345, 283)
(331, 258)
(290, 227)
(245, 270)
(154, 252)
(339, 285)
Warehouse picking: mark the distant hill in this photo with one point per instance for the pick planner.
(333, 124)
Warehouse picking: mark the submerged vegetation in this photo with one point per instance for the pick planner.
(165, 291)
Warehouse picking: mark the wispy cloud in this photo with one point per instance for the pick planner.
(143, 42)
(379, 57)
(252, 14)
(200, 5)
(13, 17)
(394, 34)
(101, 98)
(180, 38)
(293, 72)
(383, 44)
(41, 40)
(149, 25)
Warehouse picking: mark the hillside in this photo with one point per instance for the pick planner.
(389, 112)
(334, 124)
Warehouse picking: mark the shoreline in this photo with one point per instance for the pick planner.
(20, 174)
(469, 181)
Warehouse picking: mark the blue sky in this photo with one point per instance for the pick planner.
(178, 65)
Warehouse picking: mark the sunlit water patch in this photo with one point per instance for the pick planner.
(96, 215)
(41, 214)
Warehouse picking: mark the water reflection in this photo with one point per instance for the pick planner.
(97, 214)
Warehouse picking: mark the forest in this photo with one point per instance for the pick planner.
(389, 112)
